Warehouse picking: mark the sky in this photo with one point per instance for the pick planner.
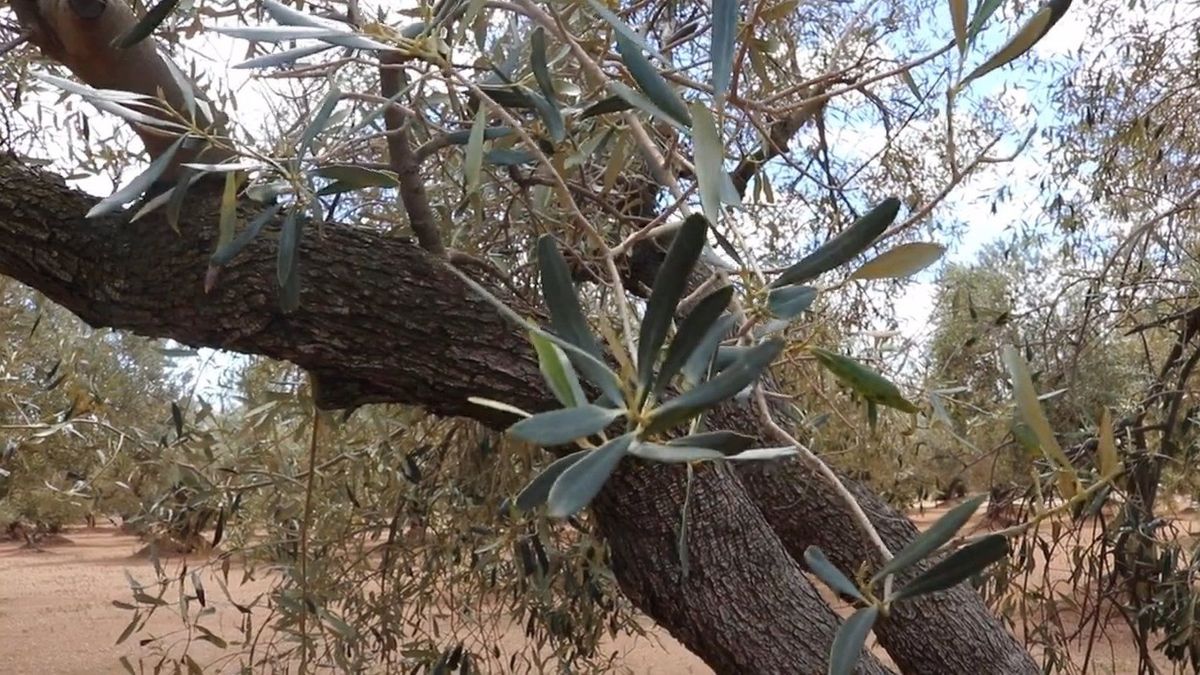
(217, 53)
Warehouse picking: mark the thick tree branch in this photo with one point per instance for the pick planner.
(384, 321)
(80, 33)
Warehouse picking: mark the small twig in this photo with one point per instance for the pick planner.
(304, 526)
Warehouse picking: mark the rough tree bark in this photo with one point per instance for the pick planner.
(383, 321)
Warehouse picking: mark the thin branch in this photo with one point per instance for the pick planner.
(404, 162)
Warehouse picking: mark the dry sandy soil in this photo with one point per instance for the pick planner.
(57, 616)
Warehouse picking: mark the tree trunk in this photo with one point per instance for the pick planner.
(640, 513)
(947, 633)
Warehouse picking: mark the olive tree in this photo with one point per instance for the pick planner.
(621, 217)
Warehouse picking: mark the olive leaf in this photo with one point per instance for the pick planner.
(581, 481)
(849, 641)
(844, 247)
(724, 40)
(538, 489)
(744, 372)
(691, 334)
(669, 284)
(1033, 31)
(820, 565)
(872, 386)
(146, 25)
(902, 261)
(564, 425)
(931, 539)
(958, 566)
(1107, 460)
(651, 82)
(710, 158)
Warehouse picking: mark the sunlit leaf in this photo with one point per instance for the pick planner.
(473, 161)
(942, 531)
(868, 383)
(353, 177)
(223, 167)
(228, 214)
(724, 40)
(725, 442)
(342, 35)
(669, 285)
(957, 567)
(903, 261)
(276, 33)
(589, 366)
(760, 454)
(582, 481)
(710, 158)
(844, 247)
(1029, 35)
(557, 370)
(498, 405)
(283, 58)
(1107, 460)
(958, 19)
(672, 454)
(1030, 410)
(849, 641)
(565, 425)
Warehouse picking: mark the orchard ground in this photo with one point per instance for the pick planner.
(57, 613)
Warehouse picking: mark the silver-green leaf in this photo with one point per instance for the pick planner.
(932, 539)
(563, 426)
(582, 481)
(669, 284)
(848, 644)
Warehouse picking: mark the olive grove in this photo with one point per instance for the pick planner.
(579, 311)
